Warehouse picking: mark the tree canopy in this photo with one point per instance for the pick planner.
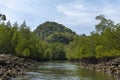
(104, 42)
(53, 41)
(54, 32)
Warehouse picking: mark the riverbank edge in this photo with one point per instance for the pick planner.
(12, 66)
(108, 65)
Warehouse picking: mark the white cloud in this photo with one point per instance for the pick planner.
(71, 10)
(19, 7)
(111, 12)
(83, 14)
(77, 14)
(20, 10)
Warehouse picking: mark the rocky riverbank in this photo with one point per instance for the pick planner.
(12, 66)
(112, 66)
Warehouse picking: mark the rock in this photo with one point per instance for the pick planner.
(3, 62)
(112, 66)
(12, 66)
(119, 66)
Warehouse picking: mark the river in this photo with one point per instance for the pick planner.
(64, 70)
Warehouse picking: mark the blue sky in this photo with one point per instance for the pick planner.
(78, 15)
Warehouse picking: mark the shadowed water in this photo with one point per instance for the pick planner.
(63, 70)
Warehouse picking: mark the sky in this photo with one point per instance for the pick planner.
(78, 15)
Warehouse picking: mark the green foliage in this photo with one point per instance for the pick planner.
(104, 42)
(104, 23)
(26, 52)
(20, 41)
(2, 17)
(6, 35)
(54, 32)
(58, 51)
(81, 47)
(54, 41)
(100, 51)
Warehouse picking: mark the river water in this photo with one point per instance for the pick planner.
(64, 70)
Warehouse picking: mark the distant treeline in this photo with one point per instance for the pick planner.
(52, 41)
(102, 43)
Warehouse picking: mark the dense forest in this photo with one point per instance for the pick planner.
(53, 32)
(53, 41)
(102, 43)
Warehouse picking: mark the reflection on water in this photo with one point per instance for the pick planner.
(62, 70)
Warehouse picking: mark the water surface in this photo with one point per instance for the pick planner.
(64, 70)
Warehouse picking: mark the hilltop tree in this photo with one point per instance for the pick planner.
(2, 17)
(104, 23)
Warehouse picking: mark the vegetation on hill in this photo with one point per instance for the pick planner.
(20, 41)
(57, 35)
(53, 41)
(54, 32)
